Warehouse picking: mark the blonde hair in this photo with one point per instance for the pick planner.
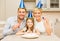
(37, 9)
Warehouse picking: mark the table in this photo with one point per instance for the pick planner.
(41, 38)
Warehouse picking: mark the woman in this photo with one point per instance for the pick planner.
(41, 23)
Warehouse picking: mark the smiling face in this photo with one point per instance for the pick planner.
(30, 23)
(37, 13)
(21, 13)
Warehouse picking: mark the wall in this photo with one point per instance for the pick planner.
(2, 9)
(11, 7)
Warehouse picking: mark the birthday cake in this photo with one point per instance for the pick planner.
(30, 35)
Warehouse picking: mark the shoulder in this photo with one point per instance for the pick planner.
(11, 18)
(36, 29)
(24, 29)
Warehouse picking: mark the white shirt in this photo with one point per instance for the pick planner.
(40, 26)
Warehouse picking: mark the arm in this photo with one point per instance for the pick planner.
(37, 32)
(21, 32)
(48, 27)
(7, 29)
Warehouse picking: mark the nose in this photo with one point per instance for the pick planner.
(21, 14)
(37, 14)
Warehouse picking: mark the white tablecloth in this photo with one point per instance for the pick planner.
(41, 38)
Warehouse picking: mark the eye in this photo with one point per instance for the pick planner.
(30, 22)
(38, 12)
(19, 11)
(35, 13)
(23, 12)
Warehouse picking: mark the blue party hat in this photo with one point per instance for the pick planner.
(39, 5)
(30, 14)
(22, 4)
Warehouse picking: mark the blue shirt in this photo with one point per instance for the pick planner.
(10, 22)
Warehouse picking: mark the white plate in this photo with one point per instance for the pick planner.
(30, 36)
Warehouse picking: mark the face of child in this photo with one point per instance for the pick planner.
(37, 14)
(29, 23)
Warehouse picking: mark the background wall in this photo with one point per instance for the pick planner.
(2, 10)
(11, 7)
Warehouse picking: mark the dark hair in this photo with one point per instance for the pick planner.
(22, 8)
(32, 26)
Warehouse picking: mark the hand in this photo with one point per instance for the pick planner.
(48, 27)
(16, 26)
(45, 20)
(26, 32)
(19, 33)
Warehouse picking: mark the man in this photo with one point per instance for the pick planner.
(16, 23)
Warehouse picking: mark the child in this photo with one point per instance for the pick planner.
(29, 26)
